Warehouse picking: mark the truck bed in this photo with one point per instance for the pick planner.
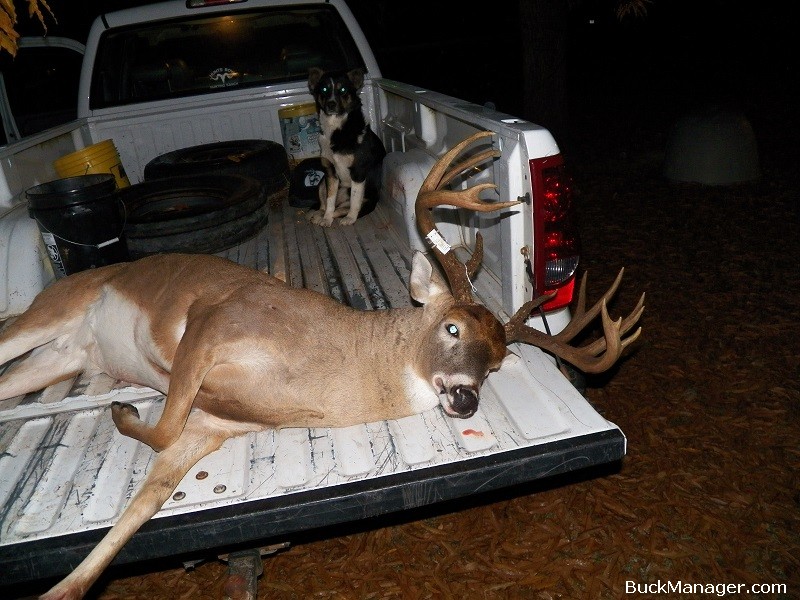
(66, 473)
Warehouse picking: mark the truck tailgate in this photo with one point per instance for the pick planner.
(66, 473)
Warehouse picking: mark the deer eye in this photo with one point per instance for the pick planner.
(452, 329)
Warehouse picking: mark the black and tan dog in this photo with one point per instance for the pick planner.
(352, 154)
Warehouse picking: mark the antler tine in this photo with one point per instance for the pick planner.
(434, 178)
(599, 345)
(431, 195)
(596, 357)
(467, 164)
(581, 318)
(477, 256)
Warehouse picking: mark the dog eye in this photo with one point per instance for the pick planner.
(452, 329)
(324, 89)
(343, 90)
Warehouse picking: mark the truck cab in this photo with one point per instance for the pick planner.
(39, 86)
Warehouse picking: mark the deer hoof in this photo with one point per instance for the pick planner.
(123, 412)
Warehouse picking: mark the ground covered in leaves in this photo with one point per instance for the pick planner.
(709, 492)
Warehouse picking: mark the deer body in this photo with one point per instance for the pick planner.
(283, 357)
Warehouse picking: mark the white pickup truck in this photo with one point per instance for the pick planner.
(151, 82)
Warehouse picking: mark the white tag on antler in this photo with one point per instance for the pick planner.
(436, 240)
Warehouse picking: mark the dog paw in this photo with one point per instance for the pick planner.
(318, 218)
(348, 220)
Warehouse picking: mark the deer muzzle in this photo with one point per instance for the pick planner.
(464, 402)
(460, 400)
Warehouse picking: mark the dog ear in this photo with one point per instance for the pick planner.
(356, 76)
(314, 75)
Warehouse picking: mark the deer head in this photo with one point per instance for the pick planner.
(459, 342)
(596, 357)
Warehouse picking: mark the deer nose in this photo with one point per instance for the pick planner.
(465, 400)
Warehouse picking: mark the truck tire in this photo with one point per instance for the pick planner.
(262, 159)
(195, 214)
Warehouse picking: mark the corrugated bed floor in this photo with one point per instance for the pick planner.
(708, 492)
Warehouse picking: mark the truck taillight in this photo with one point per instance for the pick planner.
(557, 245)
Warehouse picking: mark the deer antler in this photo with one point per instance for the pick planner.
(596, 357)
(432, 193)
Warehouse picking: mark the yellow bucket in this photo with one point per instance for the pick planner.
(300, 130)
(98, 158)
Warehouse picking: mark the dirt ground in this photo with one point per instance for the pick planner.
(709, 400)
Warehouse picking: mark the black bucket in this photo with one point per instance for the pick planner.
(80, 221)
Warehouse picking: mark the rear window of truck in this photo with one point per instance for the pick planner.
(41, 87)
(206, 54)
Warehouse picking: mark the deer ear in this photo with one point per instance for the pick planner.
(425, 283)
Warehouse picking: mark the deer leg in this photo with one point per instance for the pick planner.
(170, 425)
(45, 366)
(59, 310)
(28, 332)
(199, 438)
(189, 368)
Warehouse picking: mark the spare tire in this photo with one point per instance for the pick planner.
(195, 214)
(262, 159)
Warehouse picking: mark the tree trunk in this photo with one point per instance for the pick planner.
(544, 26)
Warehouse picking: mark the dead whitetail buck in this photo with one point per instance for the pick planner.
(236, 350)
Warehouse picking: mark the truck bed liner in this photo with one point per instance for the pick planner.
(66, 473)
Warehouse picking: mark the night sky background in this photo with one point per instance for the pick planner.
(637, 74)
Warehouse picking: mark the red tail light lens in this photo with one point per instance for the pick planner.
(557, 247)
